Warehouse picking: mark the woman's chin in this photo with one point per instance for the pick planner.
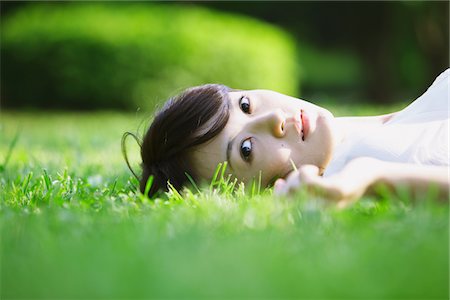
(328, 136)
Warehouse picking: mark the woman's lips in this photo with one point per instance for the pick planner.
(298, 125)
(305, 124)
(302, 124)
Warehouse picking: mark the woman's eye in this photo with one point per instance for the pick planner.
(246, 149)
(244, 104)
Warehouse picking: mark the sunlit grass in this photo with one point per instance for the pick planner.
(72, 226)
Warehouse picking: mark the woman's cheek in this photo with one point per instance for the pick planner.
(274, 159)
(283, 155)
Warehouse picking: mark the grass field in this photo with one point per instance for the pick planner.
(72, 227)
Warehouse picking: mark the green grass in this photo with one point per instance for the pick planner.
(72, 227)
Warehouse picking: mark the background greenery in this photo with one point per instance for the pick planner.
(72, 227)
(378, 51)
(122, 55)
(125, 55)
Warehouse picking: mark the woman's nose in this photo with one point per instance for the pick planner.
(274, 121)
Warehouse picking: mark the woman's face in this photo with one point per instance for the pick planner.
(267, 133)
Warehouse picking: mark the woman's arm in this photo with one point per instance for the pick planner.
(419, 179)
(361, 175)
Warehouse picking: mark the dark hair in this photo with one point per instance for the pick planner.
(175, 131)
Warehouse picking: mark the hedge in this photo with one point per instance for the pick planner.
(122, 55)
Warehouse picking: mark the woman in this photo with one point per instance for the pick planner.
(293, 143)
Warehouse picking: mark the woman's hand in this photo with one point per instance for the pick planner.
(362, 173)
(342, 188)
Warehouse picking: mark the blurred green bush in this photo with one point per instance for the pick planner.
(330, 73)
(122, 55)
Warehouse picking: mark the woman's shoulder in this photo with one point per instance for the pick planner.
(431, 105)
(442, 77)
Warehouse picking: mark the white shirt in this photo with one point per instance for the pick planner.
(419, 134)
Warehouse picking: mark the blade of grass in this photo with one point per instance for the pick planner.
(9, 152)
(293, 165)
(216, 173)
(192, 181)
(148, 185)
(26, 182)
(47, 180)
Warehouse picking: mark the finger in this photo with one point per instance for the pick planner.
(279, 183)
(309, 170)
(293, 182)
(309, 174)
(292, 175)
(280, 188)
(288, 185)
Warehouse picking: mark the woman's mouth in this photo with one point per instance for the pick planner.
(305, 124)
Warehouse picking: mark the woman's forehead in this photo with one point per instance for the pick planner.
(237, 93)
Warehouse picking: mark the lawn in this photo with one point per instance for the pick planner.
(73, 227)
